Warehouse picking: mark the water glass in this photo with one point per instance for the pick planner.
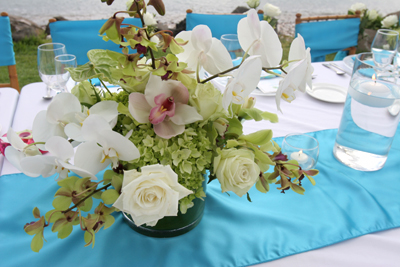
(368, 122)
(384, 47)
(63, 62)
(46, 63)
(303, 148)
(231, 42)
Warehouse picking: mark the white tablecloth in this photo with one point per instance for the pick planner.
(305, 114)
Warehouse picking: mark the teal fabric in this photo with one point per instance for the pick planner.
(218, 23)
(327, 37)
(340, 55)
(7, 57)
(80, 36)
(344, 204)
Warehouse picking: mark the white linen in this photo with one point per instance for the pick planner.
(305, 114)
(8, 103)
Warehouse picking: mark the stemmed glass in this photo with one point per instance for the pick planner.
(231, 42)
(63, 62)
(384, 48)
(46, 65)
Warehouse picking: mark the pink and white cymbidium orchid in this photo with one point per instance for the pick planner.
(204, 50)
(259, 38)
(164, 104)
(299, 72)
(103, 146)
(60, 153)
(66, 109)
(244, 81)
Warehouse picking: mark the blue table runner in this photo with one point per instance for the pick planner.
(344, 204)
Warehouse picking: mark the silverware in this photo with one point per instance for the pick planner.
(336, 66)
(338, 72)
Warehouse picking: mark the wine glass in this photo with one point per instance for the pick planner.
(46, 64)
(231, 42)
(384, 48)
(63, 62)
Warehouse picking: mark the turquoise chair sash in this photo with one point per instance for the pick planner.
(327, 37)
(80, 36)
(7, 56)
(218, 23)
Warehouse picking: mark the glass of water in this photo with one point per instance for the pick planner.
(63, 63)
(303, 148)
(384, 47)
(368, 122)
(231, 42)
(47, 65)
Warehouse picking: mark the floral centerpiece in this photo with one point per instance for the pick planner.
(164, 131)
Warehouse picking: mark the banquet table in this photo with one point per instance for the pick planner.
(304, 115)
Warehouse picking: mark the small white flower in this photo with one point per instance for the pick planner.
(151, 194)
(358, 7)
(271, 10)
(390, 21)
(253, 3)
(149, 19)
(372, 14)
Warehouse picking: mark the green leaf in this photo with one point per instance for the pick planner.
(248, 197)
(62, 203)
(235, 127)
(87, 204)
(298, 189)
(109, 196)
(261, 156)
(262, 185)
(117, 182)
(251, 113)
(109, 221)
(258, 138)
(310, 179)
(36, 213)
(65, 231)
(270, 117)
(37, 242)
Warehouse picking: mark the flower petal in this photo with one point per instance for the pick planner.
(272, 54)
(185, 114)
(14, 157)
(60, 148)
(42, 130)
(218, 58)
(92, 126)
(126, 150)
(139, 107)
(15, 140)
(88, 157)
(74, 132)
(61, 105)
(201, 38)
(168, 129)
(188, 48)
(39, 165)
(107, 109)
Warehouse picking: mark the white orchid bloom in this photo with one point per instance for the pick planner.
(103, 146)
(165, 105)
(60, 112)
(259, 38)
(298, 51)
(19, 150)
(60, 152)
(244, 81)
(107, 109)
(205, 50)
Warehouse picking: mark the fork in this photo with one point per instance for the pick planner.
(339, 68)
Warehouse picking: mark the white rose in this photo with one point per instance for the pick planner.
(207, 100)
(149, 19)
(253, 3)
(389, 21)
(236, 170)
(372, 14)
(151, 194)
(271, 10)
(358, 7)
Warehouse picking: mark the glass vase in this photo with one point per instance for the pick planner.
(171, 226)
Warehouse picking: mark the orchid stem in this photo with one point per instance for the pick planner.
(106, 87)
(153, 64)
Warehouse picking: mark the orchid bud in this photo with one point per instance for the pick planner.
(249, 103)
(158, 5)
(112, 28)
(135, 5)
(253, 3)
(221, 125)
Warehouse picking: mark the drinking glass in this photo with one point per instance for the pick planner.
(303, 148)
(384, 48)
(47, 65)
(231, 42)
(370, 117)
(63, 62)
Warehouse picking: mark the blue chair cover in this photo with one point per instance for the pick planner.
(327, 37)
(80, 36)
(218, 23)
(7, 56)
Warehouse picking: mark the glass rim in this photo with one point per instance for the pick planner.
(388, 32)
(41, 47)
(72, 57)
(299, 148)
(230, 36)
